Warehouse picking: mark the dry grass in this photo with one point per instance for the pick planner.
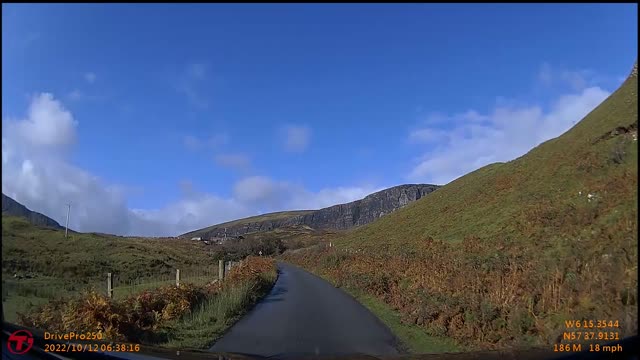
(147, 317)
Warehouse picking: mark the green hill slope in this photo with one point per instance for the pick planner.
(41, 251)
(536, 195)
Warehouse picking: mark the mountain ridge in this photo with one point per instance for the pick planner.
(337, 217)
(11, 207)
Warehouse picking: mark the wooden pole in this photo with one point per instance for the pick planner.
(178, 277)
(109, 285)
(220, 270)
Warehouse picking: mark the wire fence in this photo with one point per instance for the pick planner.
(20, 295)
(123, 288)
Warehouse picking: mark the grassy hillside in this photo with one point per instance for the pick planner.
(534, 196)
(283, 215)
(46, 264)
(46, 252)
(504, 255)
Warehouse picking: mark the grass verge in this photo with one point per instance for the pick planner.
(414, 338)
(212, 318)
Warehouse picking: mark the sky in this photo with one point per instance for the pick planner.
(159, 119)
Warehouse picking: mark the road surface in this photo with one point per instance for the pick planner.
(305, 315)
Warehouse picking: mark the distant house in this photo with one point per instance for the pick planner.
(196, 238)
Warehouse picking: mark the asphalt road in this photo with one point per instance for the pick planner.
(305, 315)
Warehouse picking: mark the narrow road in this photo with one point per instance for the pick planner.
(305, 315)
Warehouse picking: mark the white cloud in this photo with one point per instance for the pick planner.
(189, 213)
(38, 175)
(90, 77)
(577, 80)
(260, 190)
(506, 133)
(48, 124)
(428, 135)
(279, 195)
(297, 138)
(330, 196)
(233, 161)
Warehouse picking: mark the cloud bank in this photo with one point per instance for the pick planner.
(38, 173)
(459, 143)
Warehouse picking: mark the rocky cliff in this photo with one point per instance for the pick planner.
(14, 208)
(337, 217)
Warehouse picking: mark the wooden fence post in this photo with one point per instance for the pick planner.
(178, 277)
(220, 270)
(109, 285)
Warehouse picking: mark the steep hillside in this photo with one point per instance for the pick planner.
(338, 217)
(505, 255)
(14, 208)
(539, 195)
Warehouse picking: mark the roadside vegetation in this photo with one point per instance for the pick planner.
(188, 316)
(414, 338)
(504, 255)
(208, 321)
(40, 264)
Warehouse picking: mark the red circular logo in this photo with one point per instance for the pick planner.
(20, 342)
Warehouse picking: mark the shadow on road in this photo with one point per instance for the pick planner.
(277, 294)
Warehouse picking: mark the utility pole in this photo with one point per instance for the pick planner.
(225, 234)
(66, 228)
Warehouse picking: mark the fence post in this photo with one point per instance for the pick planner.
(178, 277)
(109, 285)
(220, 270)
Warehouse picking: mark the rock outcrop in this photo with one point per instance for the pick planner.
(337, 217)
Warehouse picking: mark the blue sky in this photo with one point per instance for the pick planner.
(156, 119)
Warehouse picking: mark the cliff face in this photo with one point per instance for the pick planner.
(361, 212)
(14, 208)
(337, 217)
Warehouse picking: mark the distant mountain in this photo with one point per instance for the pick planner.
(337, 217)
(14, 208)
